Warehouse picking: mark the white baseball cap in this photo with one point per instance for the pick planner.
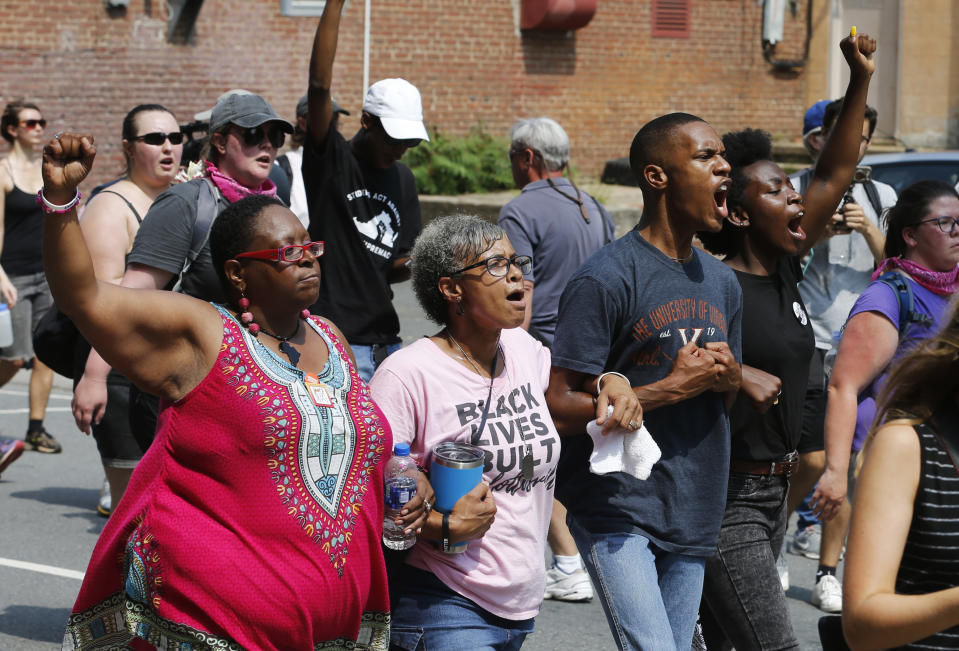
(397, 104)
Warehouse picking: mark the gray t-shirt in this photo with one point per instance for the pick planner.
(630, 309)
(840, 268)
(547, 225)
(166, 234)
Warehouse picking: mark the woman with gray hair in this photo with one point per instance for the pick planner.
(480, 380)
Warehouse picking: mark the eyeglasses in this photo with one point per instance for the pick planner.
(945, 223)
(288, 253)
(33, 124)
(158, 138)
(498, 265)
(253, 136)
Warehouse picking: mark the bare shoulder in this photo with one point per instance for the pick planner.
(897, 439)
(106, 208)
(6, 182)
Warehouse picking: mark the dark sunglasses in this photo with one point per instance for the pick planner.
(158, 138)
(253, 136)
(498, 265)
(288, 253)
(33, 124)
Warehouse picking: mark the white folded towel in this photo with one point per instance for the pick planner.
(622, 451)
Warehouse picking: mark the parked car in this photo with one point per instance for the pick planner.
(904, 168)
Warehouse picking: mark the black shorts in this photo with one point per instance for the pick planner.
(812, 438)
(118, 448)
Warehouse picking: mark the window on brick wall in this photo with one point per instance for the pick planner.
(303, 7)
(671, 18)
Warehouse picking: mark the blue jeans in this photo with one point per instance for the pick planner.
(650, 596)
(369, 356)
(742, 596)
(427, 615)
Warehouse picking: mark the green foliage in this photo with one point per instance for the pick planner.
(476, 162)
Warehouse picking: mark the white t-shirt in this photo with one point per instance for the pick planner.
(430, 398)
(297, 189)
(840, 268)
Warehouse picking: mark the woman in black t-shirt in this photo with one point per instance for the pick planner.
(769, 227)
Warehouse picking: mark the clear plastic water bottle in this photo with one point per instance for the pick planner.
(399, 487)
(830, 358)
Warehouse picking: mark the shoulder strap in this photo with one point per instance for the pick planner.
(907, 307)
(284, 164)
(126, 201)
(206, 212)
(873, 193)
(602, 216)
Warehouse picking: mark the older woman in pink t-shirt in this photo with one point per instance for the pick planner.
(469, 279)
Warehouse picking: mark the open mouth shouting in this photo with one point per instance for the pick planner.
(795, 226)
(719, 198)
(517, 298)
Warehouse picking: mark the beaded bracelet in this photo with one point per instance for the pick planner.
(49, 208)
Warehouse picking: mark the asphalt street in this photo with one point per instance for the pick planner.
(49, 524)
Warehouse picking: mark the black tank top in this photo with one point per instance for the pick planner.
(930, 560)
(22, 233)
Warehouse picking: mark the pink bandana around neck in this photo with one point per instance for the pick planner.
(943, 283)
(233, 190)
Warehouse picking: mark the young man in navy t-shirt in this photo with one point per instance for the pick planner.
(667, 316)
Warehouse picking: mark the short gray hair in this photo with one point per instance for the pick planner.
(545, 136)
(445, 245)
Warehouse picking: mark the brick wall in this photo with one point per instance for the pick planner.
(86, 67)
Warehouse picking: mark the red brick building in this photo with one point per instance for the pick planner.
(86, 63)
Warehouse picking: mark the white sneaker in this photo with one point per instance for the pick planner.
(783, 571)
(105, 502)
(568, 587)
(827, 594)
(807, 541)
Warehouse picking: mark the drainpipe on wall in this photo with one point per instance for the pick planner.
(366, 49)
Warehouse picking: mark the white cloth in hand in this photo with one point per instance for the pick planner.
(621, 450)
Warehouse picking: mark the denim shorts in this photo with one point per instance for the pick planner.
(426, 615)
(33, 301)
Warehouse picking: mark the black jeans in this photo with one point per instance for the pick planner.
(742, 595)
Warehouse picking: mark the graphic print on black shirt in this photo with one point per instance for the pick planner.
(379, 233)
(368, 217)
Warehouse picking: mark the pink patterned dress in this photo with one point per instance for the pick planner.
(254, 520)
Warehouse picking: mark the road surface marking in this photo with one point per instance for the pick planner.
(44, 569)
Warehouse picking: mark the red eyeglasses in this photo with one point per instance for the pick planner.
(288, 253)
(33, 124)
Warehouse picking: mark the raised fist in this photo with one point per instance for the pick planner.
(858, 51)
(67, 159)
